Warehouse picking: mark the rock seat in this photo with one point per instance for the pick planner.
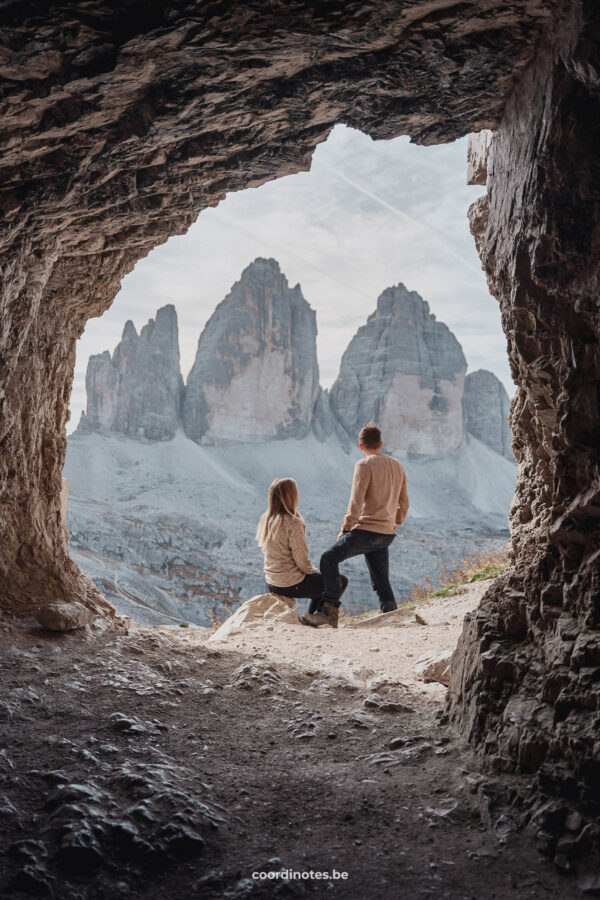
(264, 609)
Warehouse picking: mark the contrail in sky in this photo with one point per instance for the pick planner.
(224, 219)
(403, 215)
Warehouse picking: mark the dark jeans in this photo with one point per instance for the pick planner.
(312, 587)
(374, 547)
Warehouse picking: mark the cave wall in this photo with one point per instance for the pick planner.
(526, 674)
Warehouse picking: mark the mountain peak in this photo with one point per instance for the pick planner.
(129, 331)
(486, 405)
(406, 371)
(397, 300)
(262, 268)
(139, 390)
(255, 376)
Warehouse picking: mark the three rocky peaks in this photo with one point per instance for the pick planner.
(256, 377)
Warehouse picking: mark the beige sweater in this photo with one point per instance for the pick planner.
(286, 555)
(379, 499)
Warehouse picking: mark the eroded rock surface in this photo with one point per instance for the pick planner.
(139, 390)
(526, 677)
(255, 376)
(486, 407)
(405, 371)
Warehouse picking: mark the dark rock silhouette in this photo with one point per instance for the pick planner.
(525, 676)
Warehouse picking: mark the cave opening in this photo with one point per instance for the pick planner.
(369, 220)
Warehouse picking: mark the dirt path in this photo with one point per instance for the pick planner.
(155, 764)
(387, 646)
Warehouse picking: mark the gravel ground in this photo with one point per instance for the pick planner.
(150, 762)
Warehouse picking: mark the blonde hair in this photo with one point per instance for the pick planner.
(283, 501)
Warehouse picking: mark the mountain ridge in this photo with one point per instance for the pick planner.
(256, 376)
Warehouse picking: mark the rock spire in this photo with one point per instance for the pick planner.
(486, 405)
(255, 376)
(139, 390)
(404, 370)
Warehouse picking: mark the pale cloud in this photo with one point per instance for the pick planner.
(368, 215)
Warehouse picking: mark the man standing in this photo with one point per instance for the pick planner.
(378, 504)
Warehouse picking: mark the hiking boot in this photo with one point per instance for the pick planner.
(389, 607)
(305, 620)
(327, 615)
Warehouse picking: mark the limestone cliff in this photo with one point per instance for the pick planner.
(486, 405)
(406, 371)
(255, 376)
(139, 390)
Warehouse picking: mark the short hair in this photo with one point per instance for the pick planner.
(370, 436)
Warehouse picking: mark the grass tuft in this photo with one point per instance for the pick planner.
(448, 581)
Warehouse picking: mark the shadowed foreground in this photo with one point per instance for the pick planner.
(152, 764)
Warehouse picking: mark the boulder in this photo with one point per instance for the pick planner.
(64, 616)
(264, 609)
(434, 667)
(406, 371)
(255, 377)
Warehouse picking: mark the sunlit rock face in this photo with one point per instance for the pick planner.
(486, 407)
(405, 371)
(139, 390)
(255, 376)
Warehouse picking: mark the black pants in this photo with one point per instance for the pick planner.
(374, 547)
(311, 587)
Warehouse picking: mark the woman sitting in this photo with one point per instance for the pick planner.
(281, 535)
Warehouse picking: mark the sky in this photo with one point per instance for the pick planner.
(368, 215)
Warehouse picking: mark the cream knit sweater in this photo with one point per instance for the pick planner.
(286, 554)
(379, 499)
